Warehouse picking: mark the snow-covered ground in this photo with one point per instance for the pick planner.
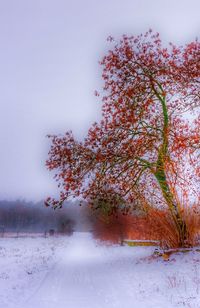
(77, 272)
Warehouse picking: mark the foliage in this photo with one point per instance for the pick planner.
(148, 139)
(113, 228)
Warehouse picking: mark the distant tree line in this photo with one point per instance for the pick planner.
(22, 216)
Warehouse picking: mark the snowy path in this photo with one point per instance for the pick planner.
(76, 272)
(88, 276)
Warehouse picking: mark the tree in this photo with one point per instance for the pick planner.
(146, 145)
(65, 225)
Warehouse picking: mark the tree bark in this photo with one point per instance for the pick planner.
(160, 173)
(173, 207)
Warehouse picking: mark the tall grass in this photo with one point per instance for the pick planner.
(152, 224)
(164, 229)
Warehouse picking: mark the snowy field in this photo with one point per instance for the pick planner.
(77, 272)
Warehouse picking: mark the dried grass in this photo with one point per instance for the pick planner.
(164, 228)
(155, 224)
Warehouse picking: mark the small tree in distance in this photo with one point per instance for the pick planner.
(146, 146)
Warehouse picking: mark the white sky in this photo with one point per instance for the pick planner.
(49, 70)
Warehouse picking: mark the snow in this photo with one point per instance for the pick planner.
(79, 272)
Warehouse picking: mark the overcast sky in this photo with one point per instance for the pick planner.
(49, 70)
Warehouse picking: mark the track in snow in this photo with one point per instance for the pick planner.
(87, 276)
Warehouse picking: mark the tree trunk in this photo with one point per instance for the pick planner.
(173, 207)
